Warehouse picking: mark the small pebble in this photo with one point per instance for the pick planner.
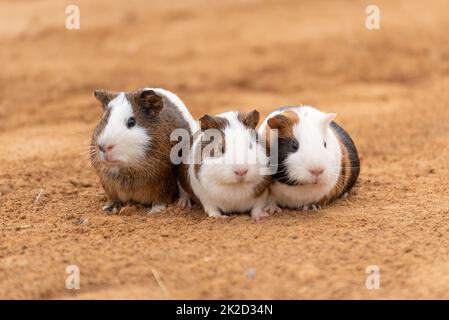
(23, 227)
(250, 273)
(39, 196)
(83, 221)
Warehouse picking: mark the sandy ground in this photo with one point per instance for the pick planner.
(389, 87)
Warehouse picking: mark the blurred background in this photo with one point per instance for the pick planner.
(389, 88)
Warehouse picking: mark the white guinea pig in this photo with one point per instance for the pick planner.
(230, 171)
(317, 159)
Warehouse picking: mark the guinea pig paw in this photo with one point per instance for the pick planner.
(311, 207)
(217, 215)
(184, 202)
(256, 216)
(112, 208)
(156, 208)
(272, 208)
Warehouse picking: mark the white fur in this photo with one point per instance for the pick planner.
(156, 208)
(180, 105)
(311, 132)
(130, 144)
(218, 187)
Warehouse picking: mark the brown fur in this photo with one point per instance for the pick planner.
(154, 179)
(185, 184)
(213, 122)
(210, 122)
(284, 123)
(250, 119)
(104, 97)
(183, 171)
(262, 186)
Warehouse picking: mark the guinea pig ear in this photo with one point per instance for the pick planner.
(281, 123)
(251, 119)
(328, 118)
(210, 122)
(104, 97)
(150, 99)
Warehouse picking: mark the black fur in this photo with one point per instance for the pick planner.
(353, 156)
(284, 150)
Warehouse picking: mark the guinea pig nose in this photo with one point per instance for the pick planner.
(241, 172)
(105, 148)
(316, 171)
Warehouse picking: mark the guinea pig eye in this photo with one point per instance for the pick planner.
(325, 144)
(222, 149)
(294, 145)
(131, 122)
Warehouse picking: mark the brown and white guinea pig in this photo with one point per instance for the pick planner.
(317, 159)
(130, 148)
(229, 171)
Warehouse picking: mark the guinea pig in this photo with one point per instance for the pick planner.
(130, 147)
(317, 159)
(229, 171)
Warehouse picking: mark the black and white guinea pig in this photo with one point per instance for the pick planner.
(317, 159)
(130, 148)
(231, 174)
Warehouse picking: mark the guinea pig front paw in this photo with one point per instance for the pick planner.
(272, 208)
(112, 208)
(184, 202)
(311, 207)
(257, 215)
(216, 214)
(156, 208)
